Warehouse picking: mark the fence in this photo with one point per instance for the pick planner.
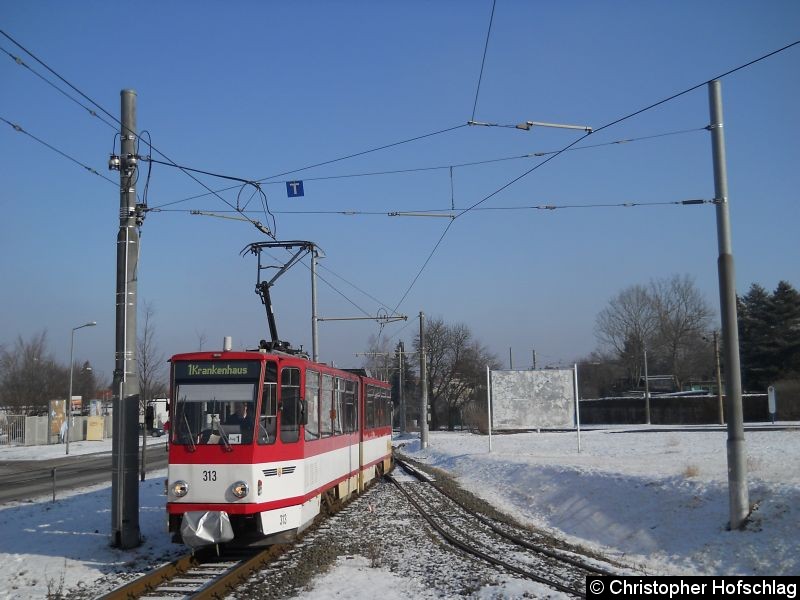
(12, 430)
(19, 430)
(674, 410)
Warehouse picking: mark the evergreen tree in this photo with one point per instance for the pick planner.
(755, 338)
(769, 335)
(785, 303)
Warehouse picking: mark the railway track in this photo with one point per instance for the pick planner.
(207, 575)
(200, 576)
(500, 544)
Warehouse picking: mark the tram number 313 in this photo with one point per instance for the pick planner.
(209, 475)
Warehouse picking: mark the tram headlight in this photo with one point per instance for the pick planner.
(240, 489)
(180, 488)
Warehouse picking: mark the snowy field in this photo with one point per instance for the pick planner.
(656, 501)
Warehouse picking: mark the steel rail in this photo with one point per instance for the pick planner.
(221, 585)
(150, 581)
(482, 555)
(512, 538)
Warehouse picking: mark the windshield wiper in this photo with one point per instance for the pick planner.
(191, 435)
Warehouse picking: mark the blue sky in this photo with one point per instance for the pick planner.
(255, 89)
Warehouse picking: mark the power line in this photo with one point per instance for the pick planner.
(113, 118)
(474, 163)
(185, 168)
(363, 152)
(22, 63)
(442, 212)
(626, 117)
(246, 182)
(327, 162)
(425, 264)
(187, 171)
(567, 147)
(699, 85)
(483, 60)
(330, 285)
(354, 286)
(32, 55)
(19, 129)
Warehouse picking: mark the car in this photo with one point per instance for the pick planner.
(154, 432)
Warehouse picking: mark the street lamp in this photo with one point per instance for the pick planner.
(69, 397)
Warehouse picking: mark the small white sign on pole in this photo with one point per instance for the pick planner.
(771, 402)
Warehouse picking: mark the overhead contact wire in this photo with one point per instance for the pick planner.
(483, 60)
(606, 126)
(19, 129)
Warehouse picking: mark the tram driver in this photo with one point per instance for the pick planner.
(241, 416)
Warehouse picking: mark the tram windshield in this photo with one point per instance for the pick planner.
(214, 413)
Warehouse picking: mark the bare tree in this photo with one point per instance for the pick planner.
(668, 319)
(627, 327)
(202, 338)
(684, 317)
(151, 359)
(85, 384)
(29, 376)
(151, 370)
(456, 367)
(378, 359)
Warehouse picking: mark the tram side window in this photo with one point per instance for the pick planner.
(326, 406)
(267, 418)
(350, 406)
(379, 408)
(290, 404)
(312, 405)
(388, 407)
(369, 408)
(338, 407)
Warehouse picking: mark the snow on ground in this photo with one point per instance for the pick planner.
(655, 500)
(55, 450)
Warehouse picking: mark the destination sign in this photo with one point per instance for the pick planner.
(206, 369)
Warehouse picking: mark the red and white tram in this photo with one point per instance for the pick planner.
(258, 440)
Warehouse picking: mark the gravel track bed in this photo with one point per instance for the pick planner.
(383, 528)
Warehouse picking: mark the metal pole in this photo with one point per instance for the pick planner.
(534, 359)
(314, 320)
(737, 468)
(577, 407)
(124, 480)
(402, 395)
(719, 380)
(646, 391)
(489, 403)
(69, 396)
(510, 359)
(423, 371)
